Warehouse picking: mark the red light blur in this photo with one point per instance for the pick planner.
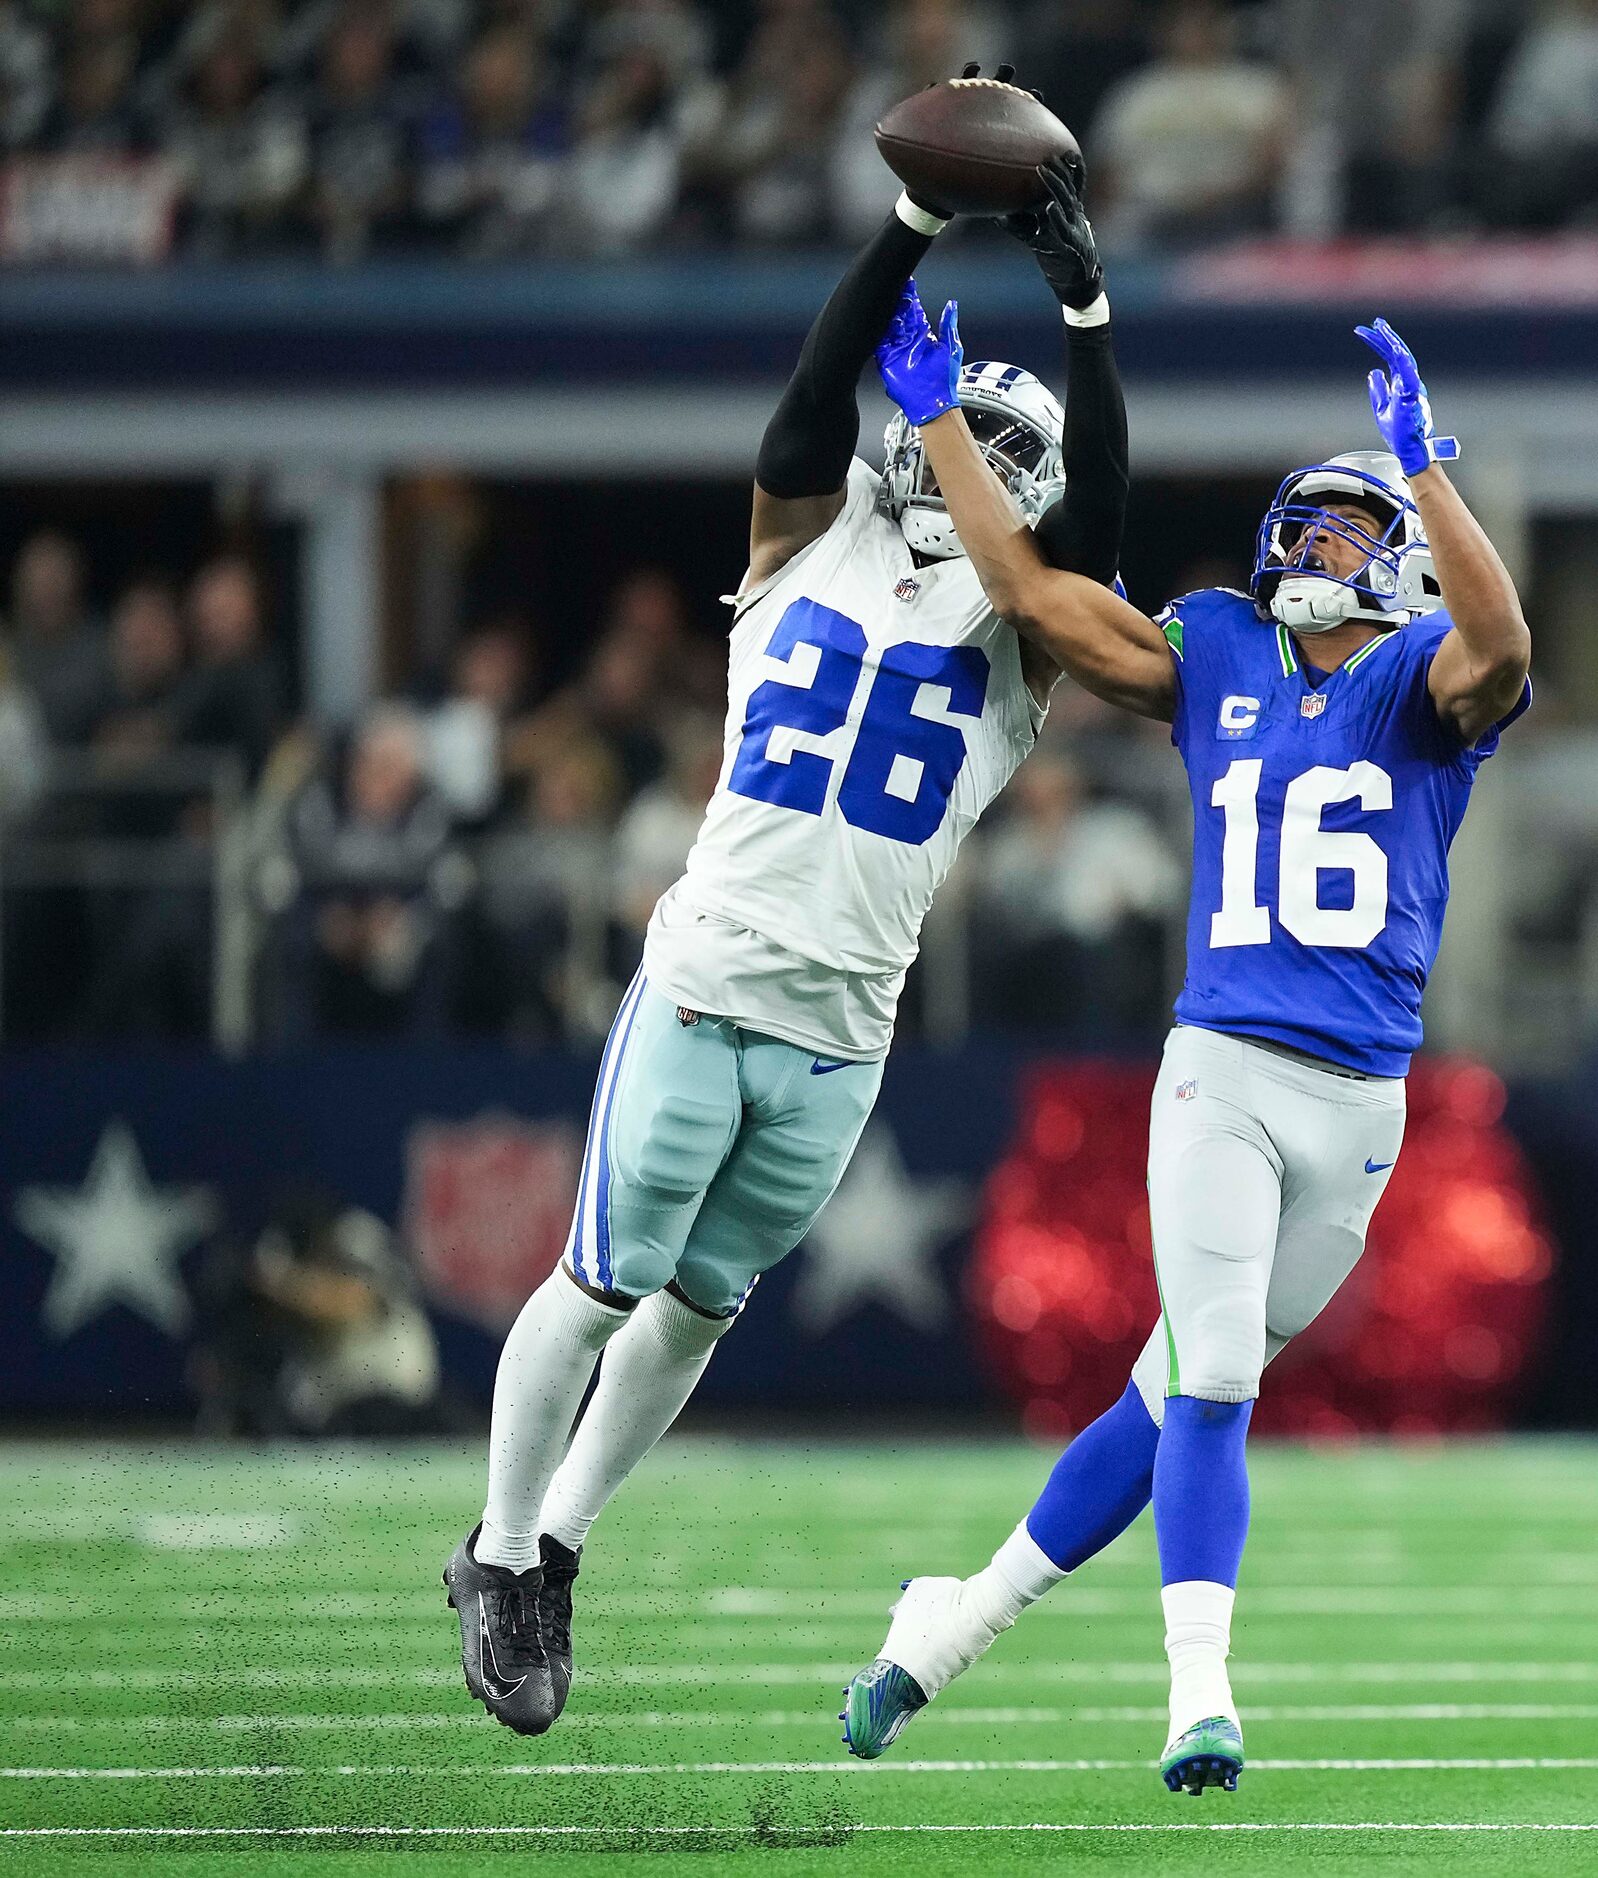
(1428, 1337)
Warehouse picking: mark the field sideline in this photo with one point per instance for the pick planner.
(215, 1662)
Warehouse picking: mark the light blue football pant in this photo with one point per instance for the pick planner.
(711, 1150)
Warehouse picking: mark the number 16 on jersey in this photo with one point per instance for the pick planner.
(1306, 851)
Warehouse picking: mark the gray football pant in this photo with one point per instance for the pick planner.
(1263, 1175)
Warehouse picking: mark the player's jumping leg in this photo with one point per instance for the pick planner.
(1201, 1519)
(543, 1371)
(1215, 1201)
(1337, 1137)
(1262, 1181)
(648, 1371)
(1215, 1196)
(796, 1134)
(942, 1625)
(666, 1110)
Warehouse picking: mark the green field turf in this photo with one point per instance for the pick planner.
(205, 1655)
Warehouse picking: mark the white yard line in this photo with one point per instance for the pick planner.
(812, 1718)
(1063, 1673)
(843, 1765)
(1337, 1600)
(826, 1835)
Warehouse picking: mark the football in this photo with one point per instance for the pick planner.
(973, 145)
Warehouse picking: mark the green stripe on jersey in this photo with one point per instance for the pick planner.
(1365, 651)
(1171, 626)
(1284, 646)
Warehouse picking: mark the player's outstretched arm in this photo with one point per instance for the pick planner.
(1107, 646)
(1081, 533)
(806, 450)
(804, 458)
(1479, 671)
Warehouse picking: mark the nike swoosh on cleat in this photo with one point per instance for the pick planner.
(818, 1068)
(487, 1656)
(1375, 1167)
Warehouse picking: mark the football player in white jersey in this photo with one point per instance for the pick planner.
(1364, 679)
(876, 706)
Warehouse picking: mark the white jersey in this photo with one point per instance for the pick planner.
(875, 708)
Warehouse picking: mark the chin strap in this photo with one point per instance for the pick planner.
(1388, 622)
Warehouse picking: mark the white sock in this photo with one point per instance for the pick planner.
(1017, 1576)
(543, 1370)
(648, 1373)
(1198, 1636)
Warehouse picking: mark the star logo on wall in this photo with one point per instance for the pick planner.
(877, 1240)
(116, 1239)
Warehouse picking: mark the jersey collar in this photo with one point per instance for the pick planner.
(1364, 652)
(1287, 652)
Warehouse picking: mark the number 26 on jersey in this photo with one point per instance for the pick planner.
(901, 771)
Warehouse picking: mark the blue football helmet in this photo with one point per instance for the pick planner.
(1396, 579)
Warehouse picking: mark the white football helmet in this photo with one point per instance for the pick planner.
(1396, 580)
(1019, 428)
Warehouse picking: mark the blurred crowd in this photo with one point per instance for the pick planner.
(504, 128)
(315, 1328)
(481, 852)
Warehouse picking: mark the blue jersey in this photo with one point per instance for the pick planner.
(1323, 810)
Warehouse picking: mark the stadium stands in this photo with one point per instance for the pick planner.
(385, 196)
(347, 128)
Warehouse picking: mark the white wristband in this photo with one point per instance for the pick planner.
(1098, 314)
(923, 221)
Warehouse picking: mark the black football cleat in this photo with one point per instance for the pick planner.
(502, 1650)
(555, 1614)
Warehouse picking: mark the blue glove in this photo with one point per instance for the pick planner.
(1403, 414)
(920, 369)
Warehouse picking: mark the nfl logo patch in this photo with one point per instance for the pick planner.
(486, 1207)
(907, 589)
(1185, 1091)
(1313, 705)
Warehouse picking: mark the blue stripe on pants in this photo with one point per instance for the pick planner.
(574, 1239)
(602, 1204)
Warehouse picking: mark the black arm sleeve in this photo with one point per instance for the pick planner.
(811, 436)
(1081, 533)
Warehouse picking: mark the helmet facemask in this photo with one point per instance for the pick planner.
(1394, 578)
(1017, 424)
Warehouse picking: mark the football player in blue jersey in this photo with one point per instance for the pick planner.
(1332, 721)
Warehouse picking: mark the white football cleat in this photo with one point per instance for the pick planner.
(934, 1636)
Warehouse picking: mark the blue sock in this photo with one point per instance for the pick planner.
(1099, 1485)
(1201, 1490)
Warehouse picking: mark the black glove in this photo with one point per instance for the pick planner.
(1061, 236)
(1003, 74)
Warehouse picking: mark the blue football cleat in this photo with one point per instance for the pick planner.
(1209, 1754)
(877, 1704)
